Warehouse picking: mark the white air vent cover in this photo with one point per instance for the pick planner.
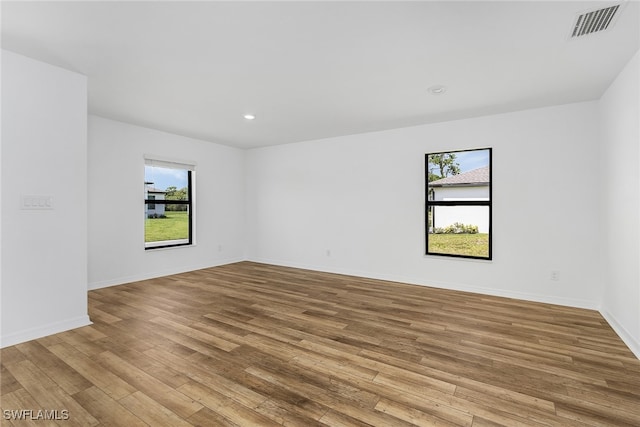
(594, 21)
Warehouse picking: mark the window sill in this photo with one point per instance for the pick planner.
(167, 244)
(457, 258)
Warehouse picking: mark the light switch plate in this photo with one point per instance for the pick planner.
(36, 202)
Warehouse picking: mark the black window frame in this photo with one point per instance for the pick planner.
(434, 203)
(188, 203)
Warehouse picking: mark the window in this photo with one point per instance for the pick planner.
(168, 214)
(458, 203)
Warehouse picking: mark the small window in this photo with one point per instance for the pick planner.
(168, 204)
(458, 203)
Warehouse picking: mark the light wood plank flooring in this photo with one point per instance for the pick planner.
(256, 345)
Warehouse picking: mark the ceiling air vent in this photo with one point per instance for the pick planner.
(594, 21)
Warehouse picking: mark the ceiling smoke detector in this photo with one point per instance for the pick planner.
(594, 21)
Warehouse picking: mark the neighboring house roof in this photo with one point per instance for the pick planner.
(478, 176)
(155, 190)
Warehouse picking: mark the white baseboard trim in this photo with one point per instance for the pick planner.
(547, 299)
(50, 329)
(43, 331)
(625, 336)
(158, 273)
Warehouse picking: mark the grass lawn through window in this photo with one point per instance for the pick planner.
(460, 244)
(174, 227)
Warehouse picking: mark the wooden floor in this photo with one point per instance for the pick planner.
(255, 345)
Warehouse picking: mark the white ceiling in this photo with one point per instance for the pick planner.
(311, 70)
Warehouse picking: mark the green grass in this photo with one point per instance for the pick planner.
(460, 244)
(174, 226)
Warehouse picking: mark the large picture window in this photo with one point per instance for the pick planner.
(168, 204)
(458, 203)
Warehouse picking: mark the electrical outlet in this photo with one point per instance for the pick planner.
(555, 275)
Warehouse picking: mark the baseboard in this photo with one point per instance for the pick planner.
(158, 273)
(625, 336)
(43, 331)
(547, 299)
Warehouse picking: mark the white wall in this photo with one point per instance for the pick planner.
(355, 205)
(116, 177)
(445, 216)
(620, 201)
(44, 153)
(461, 193)
(468, 215)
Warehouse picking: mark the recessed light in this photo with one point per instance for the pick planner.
(437, 89)
(249, 116)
